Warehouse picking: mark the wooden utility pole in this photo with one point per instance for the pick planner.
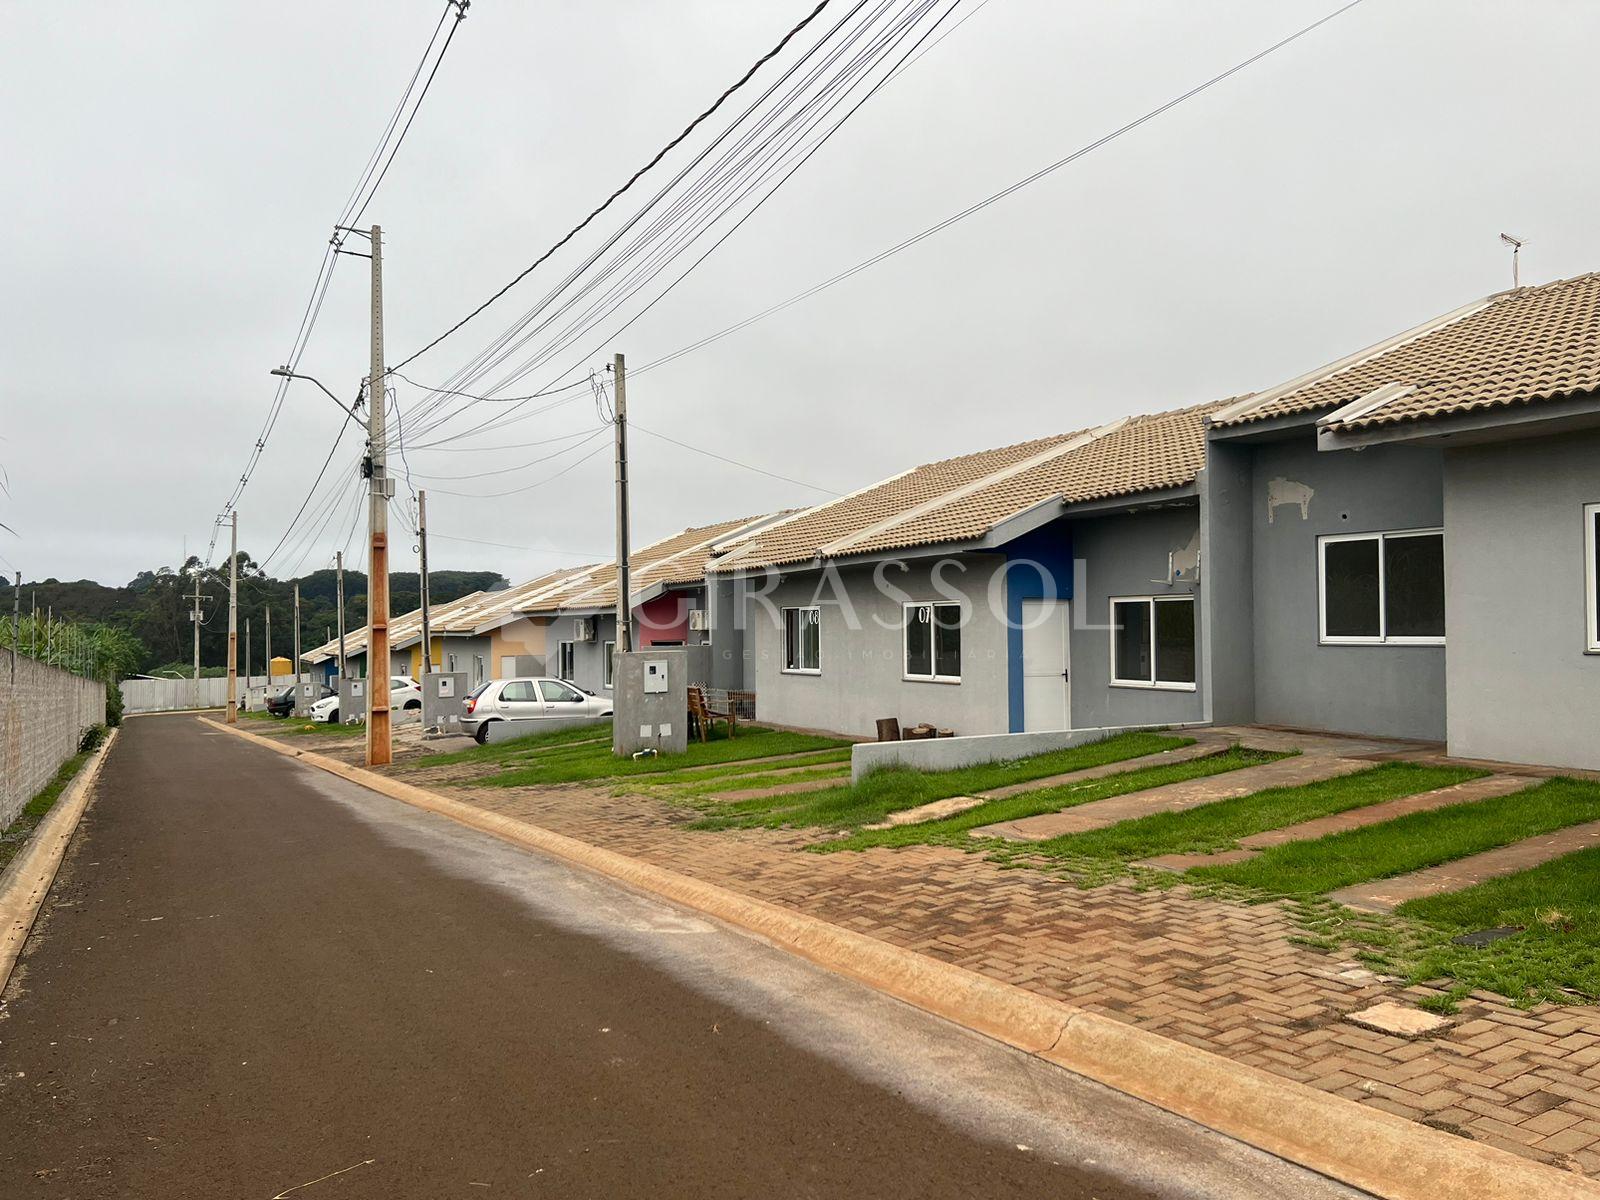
(297, 647)
(338, 559)
(379, 748)
(422, 548)
(624, 609)
(233, 626)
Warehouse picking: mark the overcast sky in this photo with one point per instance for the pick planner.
(172, 169)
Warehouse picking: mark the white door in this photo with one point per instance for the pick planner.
(1046, 692)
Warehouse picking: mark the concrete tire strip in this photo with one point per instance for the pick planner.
(1367, 1148)
(26, 882)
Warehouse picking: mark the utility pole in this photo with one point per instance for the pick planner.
(338, 559)
(624, 608)
(422, 546)
(247, 659)
(16, 626)
(194, 618)
(268, 607)
(49, 635)
(33, 626)
(297, 645)
(233, 626)
(379, 748)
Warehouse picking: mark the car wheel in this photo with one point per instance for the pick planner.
(481, 734)
(410, 704)
(333, 717)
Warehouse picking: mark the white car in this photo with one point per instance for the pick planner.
(529, 699)
(404, 693)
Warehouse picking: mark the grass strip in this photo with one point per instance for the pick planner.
(1412, 842)
(1556, 904)
(734, 779)
(953, 830)
(16, 835)
(598, 733)
(895, 788)
(598, 762)
(1220, 825)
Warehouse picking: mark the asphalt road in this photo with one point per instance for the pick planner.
(255, 980)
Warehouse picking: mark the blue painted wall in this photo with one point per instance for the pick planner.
(1038, 567)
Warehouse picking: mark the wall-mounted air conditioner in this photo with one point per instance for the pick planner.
(697, 620)
(583, 629)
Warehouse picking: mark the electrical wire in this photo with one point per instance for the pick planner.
(634, 425)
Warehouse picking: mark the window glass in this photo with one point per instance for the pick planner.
(1131, 641)
(1594, 577)
(802, 639)
(1413, 586)
(947, 640)
(518, 691)
(611, 662)
(1174, 641)
(559, 693)
(564, 660)
(1350, 588)
(919, 639)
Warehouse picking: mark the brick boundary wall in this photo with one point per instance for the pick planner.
(42, 719)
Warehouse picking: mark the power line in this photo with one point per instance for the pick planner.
(979, 206)
(731, 461)
(632, 179)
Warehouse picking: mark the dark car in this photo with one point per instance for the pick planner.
(282, 705)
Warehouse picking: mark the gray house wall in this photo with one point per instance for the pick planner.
(588, 657)
(1387, 690)
(1521, 686)
(1126, 555)
(1227, 585)
(862, 651)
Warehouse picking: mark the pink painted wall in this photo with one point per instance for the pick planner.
(664, 619)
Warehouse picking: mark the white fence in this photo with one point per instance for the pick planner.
(175, 695)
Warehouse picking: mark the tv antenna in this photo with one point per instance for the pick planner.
(1516, 245)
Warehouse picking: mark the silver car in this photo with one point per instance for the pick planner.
(538, 699)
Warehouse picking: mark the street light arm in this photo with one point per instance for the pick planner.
(349, 413)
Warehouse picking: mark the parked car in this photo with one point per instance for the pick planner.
(282, 704)
(404, 693)
(528, 699)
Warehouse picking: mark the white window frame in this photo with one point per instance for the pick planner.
(1591, 595)
(784, 633)
(933, 640)
(1380, 536)
(1151, 684)
(610, 665)
(566, 660)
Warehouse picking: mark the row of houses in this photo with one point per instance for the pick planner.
(1404, 542)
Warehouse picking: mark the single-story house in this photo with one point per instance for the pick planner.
(1042, 586)
(1403, 542)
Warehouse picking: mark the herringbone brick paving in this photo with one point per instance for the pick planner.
(1217, 975)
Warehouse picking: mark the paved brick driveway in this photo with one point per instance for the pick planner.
(1217, 975)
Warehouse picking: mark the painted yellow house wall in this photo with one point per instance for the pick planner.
(416, 657)
(525, 635)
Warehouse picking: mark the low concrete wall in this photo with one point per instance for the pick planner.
(42, 719)
(510, 731)
(948, 754)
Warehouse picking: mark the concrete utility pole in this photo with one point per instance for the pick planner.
(194, 619)
(268, 614)
(33, 625)
(233, 626)
(338, 559)
(247, 656)
(49, 635)
(422, 547)
(379, 748)
(16, 626)
(297, 645)
(624, 608)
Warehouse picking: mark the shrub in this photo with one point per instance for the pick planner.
(92, 737)
(113, 704)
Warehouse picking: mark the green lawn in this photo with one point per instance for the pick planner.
(1413, 842)
(597, 733)
(713, 781)
(1219, 826)
(953, 830)
(894, 788)
(1557, 905)
(578, 764)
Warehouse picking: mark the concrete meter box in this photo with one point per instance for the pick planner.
(444, 695)
(352, 700)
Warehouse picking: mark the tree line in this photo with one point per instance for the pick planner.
(148, 618)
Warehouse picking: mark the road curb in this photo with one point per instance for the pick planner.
(27, 880)
(1367, 1148)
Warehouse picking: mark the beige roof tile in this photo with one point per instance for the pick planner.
(961, 499)
(1517, 347)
